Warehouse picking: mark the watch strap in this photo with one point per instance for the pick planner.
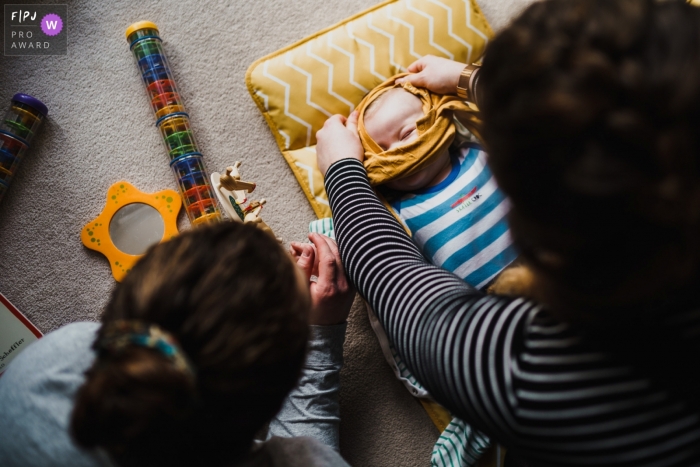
(463, 85)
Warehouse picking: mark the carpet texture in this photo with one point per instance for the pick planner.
(101, 129)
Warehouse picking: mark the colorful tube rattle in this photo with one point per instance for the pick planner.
(17, 129)
(174, 124)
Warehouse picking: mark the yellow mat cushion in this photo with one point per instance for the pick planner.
(299, 87)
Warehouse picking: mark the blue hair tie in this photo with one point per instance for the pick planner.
(119, 335)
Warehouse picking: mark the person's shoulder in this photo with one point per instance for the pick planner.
(70, 341)
(72, 334)
(36, 399)
(301, 452)
(67, 350)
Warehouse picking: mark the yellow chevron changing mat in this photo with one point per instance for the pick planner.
(299, 87)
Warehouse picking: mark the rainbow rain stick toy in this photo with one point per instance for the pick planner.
(17, 130)
(173, 122)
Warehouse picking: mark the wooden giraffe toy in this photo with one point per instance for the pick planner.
(232, 193)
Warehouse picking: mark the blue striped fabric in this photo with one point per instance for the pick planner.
(460, 224)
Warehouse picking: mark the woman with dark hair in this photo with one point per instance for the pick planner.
(591, 114)
(198, 349)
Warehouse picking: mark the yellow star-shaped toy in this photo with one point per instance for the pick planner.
(96, 234)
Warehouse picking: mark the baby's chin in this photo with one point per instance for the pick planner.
(410, 183)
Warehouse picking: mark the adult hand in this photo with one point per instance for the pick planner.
(338, 139)
(436, 74)
(331, 294)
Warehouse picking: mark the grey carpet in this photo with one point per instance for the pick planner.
(100, 130)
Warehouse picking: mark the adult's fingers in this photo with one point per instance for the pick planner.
(328, 264)
(335, 142)
(305, 257)
(342, 281)
(294, 250)
(417, 66)
(351, 122)
(419, 80)
(335, 120)
(334, 249)
(336, 253)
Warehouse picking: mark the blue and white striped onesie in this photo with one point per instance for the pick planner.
(460, 224)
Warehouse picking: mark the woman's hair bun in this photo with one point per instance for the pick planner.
(132, 399)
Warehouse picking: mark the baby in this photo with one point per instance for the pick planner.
(445, 196)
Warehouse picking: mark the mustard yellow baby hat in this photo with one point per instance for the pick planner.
(436, 131)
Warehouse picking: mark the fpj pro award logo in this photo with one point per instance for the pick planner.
(36, 29)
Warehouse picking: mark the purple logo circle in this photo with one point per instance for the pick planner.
(51, 24)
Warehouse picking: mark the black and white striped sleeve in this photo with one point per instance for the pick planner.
(502, 364)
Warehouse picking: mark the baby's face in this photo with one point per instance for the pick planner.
(391, 120)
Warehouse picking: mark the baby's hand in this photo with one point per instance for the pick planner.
(338, 139)
(436, 74)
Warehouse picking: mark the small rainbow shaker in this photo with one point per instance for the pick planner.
(186, 160)
(17, 130)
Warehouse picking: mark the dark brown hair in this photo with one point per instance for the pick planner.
(231, 297)
(591, 115)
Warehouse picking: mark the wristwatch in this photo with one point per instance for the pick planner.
(465, 80)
